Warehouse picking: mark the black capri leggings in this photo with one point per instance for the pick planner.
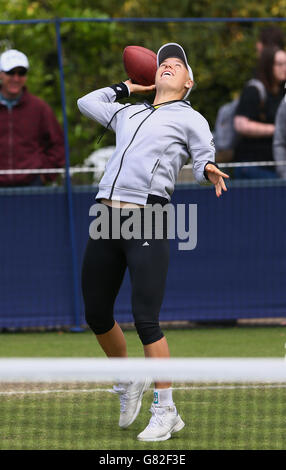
(104, 265)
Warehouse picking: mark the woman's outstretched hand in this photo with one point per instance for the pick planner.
(216, 176)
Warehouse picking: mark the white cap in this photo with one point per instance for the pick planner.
(13, 58)
(172, 49)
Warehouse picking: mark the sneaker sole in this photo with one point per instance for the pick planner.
(145, 387)
(178, 427)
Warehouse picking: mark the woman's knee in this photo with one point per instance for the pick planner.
(149, 332)
(99, 323)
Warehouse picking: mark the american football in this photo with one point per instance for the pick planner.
(140, 64)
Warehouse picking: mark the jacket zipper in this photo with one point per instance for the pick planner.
(121, 161)
(155, 166)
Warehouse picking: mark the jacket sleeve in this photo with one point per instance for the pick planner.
(279, 139)
(100, 106)
(201, 146)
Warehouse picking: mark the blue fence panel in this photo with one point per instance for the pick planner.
(237, 270)
(35, 259)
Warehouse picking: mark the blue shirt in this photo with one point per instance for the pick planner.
(9, 103)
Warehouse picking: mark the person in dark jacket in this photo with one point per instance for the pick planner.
(255, 118)
(30, 135)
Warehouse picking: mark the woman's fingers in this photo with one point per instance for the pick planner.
(223, 185)
(218, 190)
(213, 169)
(219, 186)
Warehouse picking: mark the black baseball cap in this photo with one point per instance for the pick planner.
(172, 49)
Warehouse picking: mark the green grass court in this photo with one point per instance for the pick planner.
(197, 342)
(85, 416)
(251, 418)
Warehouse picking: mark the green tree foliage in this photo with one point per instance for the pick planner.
(221, 54)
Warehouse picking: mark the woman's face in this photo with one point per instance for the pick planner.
(172, 75)
(279, 66)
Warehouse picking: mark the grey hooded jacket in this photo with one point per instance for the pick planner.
(152, 145)
(279, 139)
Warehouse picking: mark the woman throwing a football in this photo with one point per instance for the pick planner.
(153, 142)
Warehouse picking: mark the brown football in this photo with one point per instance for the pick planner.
(140, 64)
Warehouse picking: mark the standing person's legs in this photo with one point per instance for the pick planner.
(103, 270)
(113, 342)
(147, 296)
(102, 274)
(158, 349)
(148, 266)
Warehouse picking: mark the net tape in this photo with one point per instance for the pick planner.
(201, 370)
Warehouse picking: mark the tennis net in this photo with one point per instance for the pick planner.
(70, 404)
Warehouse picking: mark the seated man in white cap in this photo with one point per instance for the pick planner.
(30, 135)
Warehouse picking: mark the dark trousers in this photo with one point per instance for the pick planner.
(104, 265)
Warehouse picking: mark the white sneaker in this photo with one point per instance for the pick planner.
(130, 395)
(164, 421)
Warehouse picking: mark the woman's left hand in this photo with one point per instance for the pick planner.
(216, 176)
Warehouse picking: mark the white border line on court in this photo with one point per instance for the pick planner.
(110, 390)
